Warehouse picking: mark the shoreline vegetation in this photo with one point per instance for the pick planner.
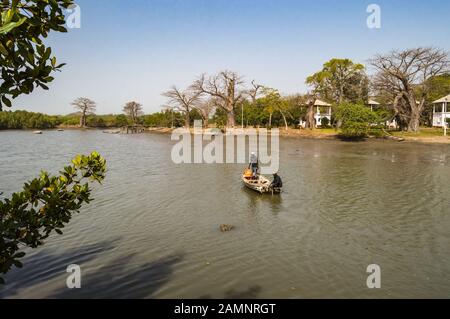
(68, 122)
(344, 102)
(348, 108)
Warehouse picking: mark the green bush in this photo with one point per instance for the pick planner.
(46, 204)
(325, 122)
(356, 120)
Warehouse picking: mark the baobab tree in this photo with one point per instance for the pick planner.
(86, 107)
(133, 110)
(183, 101)
(404, 76)
(226, 88)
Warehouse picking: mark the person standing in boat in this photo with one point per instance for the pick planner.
(254, 164)
(277, 182)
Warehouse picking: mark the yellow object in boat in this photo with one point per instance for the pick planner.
(248, 173)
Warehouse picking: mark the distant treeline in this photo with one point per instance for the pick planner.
(253, 116)
(27, 120)
(31, 120)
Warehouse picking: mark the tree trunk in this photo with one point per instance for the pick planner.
(416, 110)
(231, 122)
(414, 123)
(83, 119)
(285, 121)
(205, 121)
(187, 120)
(270, 120)
(310, 117)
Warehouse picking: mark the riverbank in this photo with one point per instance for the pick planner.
(426, 135)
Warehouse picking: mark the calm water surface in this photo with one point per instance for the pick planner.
(152, 231)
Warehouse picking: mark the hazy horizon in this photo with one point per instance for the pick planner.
(138, 50)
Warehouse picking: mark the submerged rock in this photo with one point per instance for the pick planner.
(226, 228)
(394, 138)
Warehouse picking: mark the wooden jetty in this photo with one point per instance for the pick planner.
(132, 129)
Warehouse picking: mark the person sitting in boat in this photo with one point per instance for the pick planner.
(254, 164)
(277, 182)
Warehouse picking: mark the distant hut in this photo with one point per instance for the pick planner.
(319, 115)
(440, 111)
(373, 104)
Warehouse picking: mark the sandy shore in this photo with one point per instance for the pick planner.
(331, 134)
(427, 135)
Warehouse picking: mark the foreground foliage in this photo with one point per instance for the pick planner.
(45, 205)
(25, 61)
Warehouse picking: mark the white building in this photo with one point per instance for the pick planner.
(373, 104)
(440, 111)
(322, 110)
(392, 124)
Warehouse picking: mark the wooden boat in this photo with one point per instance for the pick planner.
(259, 184)
(112, 131)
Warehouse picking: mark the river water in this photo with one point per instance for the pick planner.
(153, 229)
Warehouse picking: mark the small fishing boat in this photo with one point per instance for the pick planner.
(112, 132)
(259, 183)
(37, 132)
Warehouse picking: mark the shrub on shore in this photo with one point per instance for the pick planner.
(356, 120)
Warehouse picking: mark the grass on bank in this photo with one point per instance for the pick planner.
(425, 132)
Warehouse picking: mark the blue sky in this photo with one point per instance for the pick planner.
(137, 49)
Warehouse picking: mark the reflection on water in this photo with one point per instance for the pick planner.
(152, 231)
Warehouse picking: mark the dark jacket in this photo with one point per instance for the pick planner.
(277, 182)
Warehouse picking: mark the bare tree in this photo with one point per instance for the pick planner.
(206, 108)
(86, 107)
(253, 92)
(183, 101)
(133, 110)
(226, 88)
(403, 74)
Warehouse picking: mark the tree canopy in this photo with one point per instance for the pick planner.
(26, 62)
(86, 107)
(133, 110)
(404, 76)
(340, 80)
(356, 119)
